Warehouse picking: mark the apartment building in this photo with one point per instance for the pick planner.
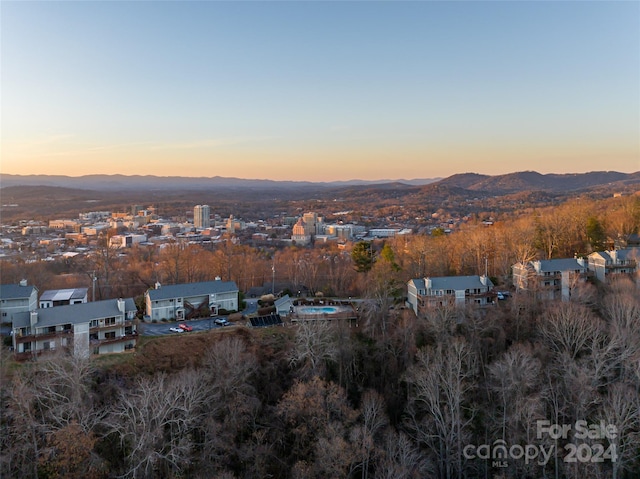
(191, 300)
(551, 278)
(17, 298)
(84, 329)
(449, 290)
(607, 265)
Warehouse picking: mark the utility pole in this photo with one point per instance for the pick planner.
(273, 276)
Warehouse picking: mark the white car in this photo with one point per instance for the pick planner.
(176, 330)
(221, 321)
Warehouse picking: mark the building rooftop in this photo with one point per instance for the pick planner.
(74, 313)
(619, 254)
(282, 301)
(192, 289)
(16, 291)
(453, 282)
(63, 294)
(561, 264)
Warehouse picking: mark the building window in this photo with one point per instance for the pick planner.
(109, 321)
(110, 335)
(94, 323)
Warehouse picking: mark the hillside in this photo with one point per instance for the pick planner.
(533, 181)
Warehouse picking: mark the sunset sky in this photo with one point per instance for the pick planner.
(319, 91)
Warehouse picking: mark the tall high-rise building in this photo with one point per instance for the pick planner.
(202, 216)
(313, 223)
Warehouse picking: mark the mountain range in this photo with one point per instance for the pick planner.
(498, 184)
(151, 182)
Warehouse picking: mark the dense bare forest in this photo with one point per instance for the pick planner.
(526, 389)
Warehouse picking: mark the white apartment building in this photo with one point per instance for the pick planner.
(17, 298)
(614, 263)
(183, 301)
(448, 290)
(84, 329)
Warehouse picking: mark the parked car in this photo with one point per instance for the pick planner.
(221, 321)
(176, 330)
(185, 327)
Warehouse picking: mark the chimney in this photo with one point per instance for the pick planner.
(33, 318)
(158, 285)
(121, 305)
(218, 278)
(23, 282)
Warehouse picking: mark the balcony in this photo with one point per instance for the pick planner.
(27, 355)
(20, 338)
(33, 354)
(631, 265)
(117, 339)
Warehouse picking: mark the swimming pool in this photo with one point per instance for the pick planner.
(317, 309)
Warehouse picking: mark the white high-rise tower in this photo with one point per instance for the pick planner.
(201, 216)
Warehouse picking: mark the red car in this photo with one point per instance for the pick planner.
(185, 327)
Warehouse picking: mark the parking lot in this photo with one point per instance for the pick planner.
(159, 329)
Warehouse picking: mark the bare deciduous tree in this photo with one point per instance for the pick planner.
(438, 412)
(307, 410)
(363, 436)
(314, 346)
(155, 422)
(402, 458)
(63, 391)
(622, 410)
(569, 328)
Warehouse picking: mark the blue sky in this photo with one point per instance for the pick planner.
(319, 90)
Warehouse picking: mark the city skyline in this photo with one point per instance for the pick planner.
(319, 91)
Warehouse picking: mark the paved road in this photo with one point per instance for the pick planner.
(252, 306)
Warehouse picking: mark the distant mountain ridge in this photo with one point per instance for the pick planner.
(124, 182)
(499, 184)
